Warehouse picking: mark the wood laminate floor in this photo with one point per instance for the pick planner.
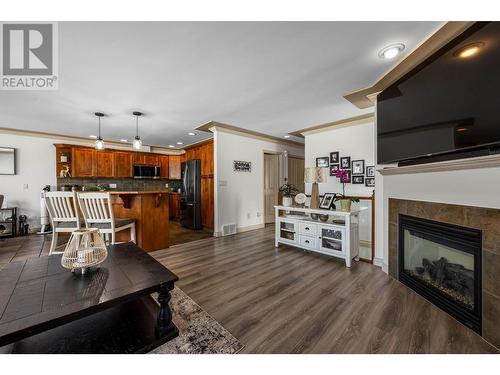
(287, 300)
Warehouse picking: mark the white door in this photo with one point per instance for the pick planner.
(271, 185)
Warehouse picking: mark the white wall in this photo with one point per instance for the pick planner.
(241, 200)
(356, 141)
(35, 168)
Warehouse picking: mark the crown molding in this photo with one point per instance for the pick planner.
(447, 32)
(82, 141)
(351, 121)
(213, 126)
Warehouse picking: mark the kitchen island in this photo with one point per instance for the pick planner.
(150, 209)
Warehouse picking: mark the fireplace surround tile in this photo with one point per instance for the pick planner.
(485, 219)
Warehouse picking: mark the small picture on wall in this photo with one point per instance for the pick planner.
(322, 162)
(358, 167)
(333, 169)
(358, 179)
(334, 157)
(327, 201)
(370, 182)
(242, 166)
(345, 162)
(370, 171)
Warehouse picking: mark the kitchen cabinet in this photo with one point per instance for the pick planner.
(123, 164)
(151, 159)
(138, 158)
(104, 163)
(207, 202)
(175, 206)
(174, 167)
(83, 162)
(163, 163)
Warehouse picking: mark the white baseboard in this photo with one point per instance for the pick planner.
(365, 243)
(378, 262)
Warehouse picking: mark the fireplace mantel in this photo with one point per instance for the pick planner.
(489, 161)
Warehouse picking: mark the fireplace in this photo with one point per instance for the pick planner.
(442, 262)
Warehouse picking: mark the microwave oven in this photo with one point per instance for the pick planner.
(146, 171)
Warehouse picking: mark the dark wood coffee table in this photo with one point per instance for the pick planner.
(44, 308)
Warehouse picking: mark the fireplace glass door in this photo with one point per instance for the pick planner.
(443, 263)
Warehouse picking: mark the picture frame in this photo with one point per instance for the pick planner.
(334, 157)
(349, 176)
(370, 171)
(327, 200)
(242, 166)
(358, 167)
(345, 162)
(358, 180)
(323, 162)
(370, 182)
(334, 168)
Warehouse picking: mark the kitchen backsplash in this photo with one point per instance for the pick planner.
(123, 184)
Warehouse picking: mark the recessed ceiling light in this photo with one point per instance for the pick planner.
(180, 143)
(123, 140)
(171, 146)
(286, 136)
(93, 136)
(191, 133)
(469, 50)
(391, 51)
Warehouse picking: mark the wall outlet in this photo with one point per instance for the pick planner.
(25, 186)
(112, 186)
(248, 215)
(258, 214)
(222, 183)
(166, 186)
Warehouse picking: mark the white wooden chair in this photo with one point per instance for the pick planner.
(98, 213)
(63, 212)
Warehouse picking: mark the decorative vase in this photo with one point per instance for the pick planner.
(287, 201)
(345, 205)
(85, 249)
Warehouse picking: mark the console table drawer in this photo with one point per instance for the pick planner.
(307, 241)
(308, 228)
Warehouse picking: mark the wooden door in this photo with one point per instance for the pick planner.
(207, 202)
(163, 163)
(104, 163)
(83, 162)
(271, 185)
(138, 158)
(174, 167)
(123, 164)
(296, 172)
(151, 159)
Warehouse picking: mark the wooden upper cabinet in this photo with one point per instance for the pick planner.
(104, 163)
(122, 164)
(83, 162)
(163, 163)
(151, 159)
(138, 158)
(174, 167)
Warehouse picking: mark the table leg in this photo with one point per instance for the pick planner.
(164, 323)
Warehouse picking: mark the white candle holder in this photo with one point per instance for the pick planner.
(85, 249)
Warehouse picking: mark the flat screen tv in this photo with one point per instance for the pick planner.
(448, 107)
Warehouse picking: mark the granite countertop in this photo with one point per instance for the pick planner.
(138, 192)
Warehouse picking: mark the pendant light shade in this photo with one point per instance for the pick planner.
(99, 142)
(137, 144)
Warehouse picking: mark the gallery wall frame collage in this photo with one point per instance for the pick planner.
(358, 173)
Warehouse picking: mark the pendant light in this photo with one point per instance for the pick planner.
(137, 144)
(99, 142)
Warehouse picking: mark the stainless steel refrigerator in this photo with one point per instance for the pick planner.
(191, 194)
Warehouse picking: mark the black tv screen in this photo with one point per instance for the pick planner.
(448, 104)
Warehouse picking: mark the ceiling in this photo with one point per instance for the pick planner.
(269, 77)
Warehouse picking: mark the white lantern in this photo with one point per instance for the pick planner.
(85, 249)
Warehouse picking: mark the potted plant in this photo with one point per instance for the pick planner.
(288, 191)
(345, 202)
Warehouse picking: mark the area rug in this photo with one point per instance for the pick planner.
(199, 333)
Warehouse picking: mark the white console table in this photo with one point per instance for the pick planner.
(332, 238)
